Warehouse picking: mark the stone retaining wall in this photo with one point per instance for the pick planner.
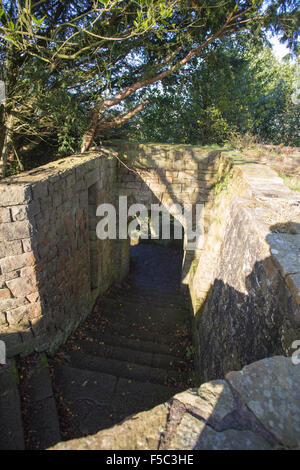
(52, 264)
(245, 286)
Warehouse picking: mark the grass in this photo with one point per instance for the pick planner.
(292, 182)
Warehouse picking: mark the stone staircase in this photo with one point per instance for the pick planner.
(128, 356)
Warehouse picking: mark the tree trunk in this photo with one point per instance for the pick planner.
(6, 145)
(2, 128)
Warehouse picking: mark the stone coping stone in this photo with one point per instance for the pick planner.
(50, 169)
(275, 211)
(271, 390)
(195, 434)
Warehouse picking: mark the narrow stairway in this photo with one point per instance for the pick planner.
(128, 356)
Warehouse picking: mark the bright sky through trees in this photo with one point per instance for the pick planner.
(280, 50)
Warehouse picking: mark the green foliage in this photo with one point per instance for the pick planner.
(293, 182)
(241, 89)
(213, 128)
(62, 60)
(222, 185)
(190, 351)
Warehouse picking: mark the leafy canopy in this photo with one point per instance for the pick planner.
(74, 69)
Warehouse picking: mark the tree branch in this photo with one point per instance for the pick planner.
(118, 121)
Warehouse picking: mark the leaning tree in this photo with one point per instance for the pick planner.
(71, 68)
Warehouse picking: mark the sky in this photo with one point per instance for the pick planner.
(279, 49)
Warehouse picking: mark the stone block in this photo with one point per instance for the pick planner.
(91, 178)
(271, 390)
(13, 194)
(19, 212)
(10, 248)
(29, 244)
(4, 215)
(13, 342)
(212, 401)
(194, 434)
(23, 314)
(11, 263)
(32, 271)
(15, 230)
(40, 189)
(4, 293)
(20, 287)
(8, 304)
(34, 297)
(3, 321)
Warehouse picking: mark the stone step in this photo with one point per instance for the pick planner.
(150, 341)
(127, 370)
(138, 344)
(11, 426)
(165, 288)
(150, 296)
(161, 361)
(91, 401)
(161, 319)
(132, 397)
(83, 399)
(39, 407)
(147, 306)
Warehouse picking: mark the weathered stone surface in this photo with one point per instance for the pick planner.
(271, 390)
(10, 303)
(10, 248)
(286, 248)
(40, 189)
(293, 281)
(245, 289)
(23, 314)
(195, 434)
(22, 286)
(19, 212)
(11, 263)
(34, 297)
(11, 195)
(212, 401)
(5, 294)
(15, 230)
(4, 215)
(141, 433)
